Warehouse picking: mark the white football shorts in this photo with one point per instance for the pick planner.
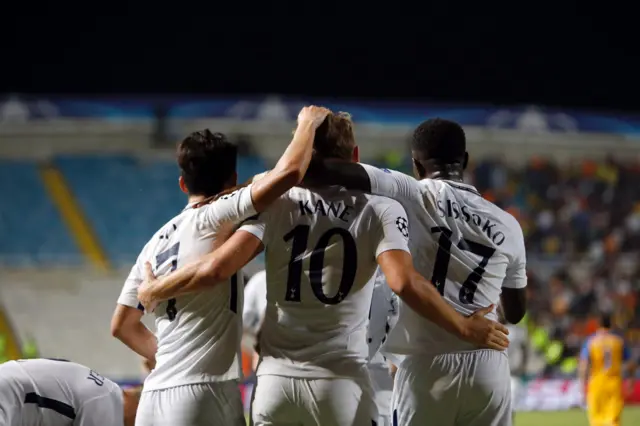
(216, 403)
(382, 384)
(284, 401)
(469, 388)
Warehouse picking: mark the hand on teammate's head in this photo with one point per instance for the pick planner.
(313, 114)
(486, 333)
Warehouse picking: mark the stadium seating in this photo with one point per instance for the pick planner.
(31, 228)
(128, 199)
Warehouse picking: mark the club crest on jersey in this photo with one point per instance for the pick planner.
(403, 226)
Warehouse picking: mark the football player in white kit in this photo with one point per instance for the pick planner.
(47, 392)
(255, 303)
(195, 379)
(382, 313)
(474, 253)
(322, 249)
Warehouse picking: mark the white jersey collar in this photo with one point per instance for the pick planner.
(460, 185)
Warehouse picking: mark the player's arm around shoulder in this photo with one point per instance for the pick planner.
(244, 245)
(363, 177)
(237, 205)
(241, 247)
(202, 274)
(514, 286)
(293, 164)
(393, 184)
(208, 270)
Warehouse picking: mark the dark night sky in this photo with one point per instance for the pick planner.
(534, 54)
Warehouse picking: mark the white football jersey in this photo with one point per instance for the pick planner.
(321, 251)
(467, 246)
(255, 302)
(43, 392)
(198, 334)
(383, 315)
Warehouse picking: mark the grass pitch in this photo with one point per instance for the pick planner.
(630, 417)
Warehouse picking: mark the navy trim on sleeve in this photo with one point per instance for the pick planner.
(50, 404)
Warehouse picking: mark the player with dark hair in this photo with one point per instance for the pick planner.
(47, 392)
(207, 163)
(604, 361)
(195, 379)
(323, 246)
(474, 254)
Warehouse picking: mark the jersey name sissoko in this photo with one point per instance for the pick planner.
(467, 246)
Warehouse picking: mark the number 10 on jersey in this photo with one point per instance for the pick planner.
(300, 237)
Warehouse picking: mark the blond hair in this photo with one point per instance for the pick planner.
(335, 137)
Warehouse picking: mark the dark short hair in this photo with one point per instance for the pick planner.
(335, 138)
(207, 161)
(439, 140)
(605, 320)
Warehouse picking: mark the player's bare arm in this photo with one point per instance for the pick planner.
(126, 326)
(287, 173)
(393, 369)
(419, 294)
(202, 274)
(291, 167)
(293, 164)
(513, 297)
(131, 399)
(351, 175)
(514, 304)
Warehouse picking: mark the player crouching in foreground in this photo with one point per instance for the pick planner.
(44, 392)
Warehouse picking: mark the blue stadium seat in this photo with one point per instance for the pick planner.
(127, 199)
(30, 225)
(248, 167)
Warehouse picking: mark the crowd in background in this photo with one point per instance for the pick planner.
(581, 222)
